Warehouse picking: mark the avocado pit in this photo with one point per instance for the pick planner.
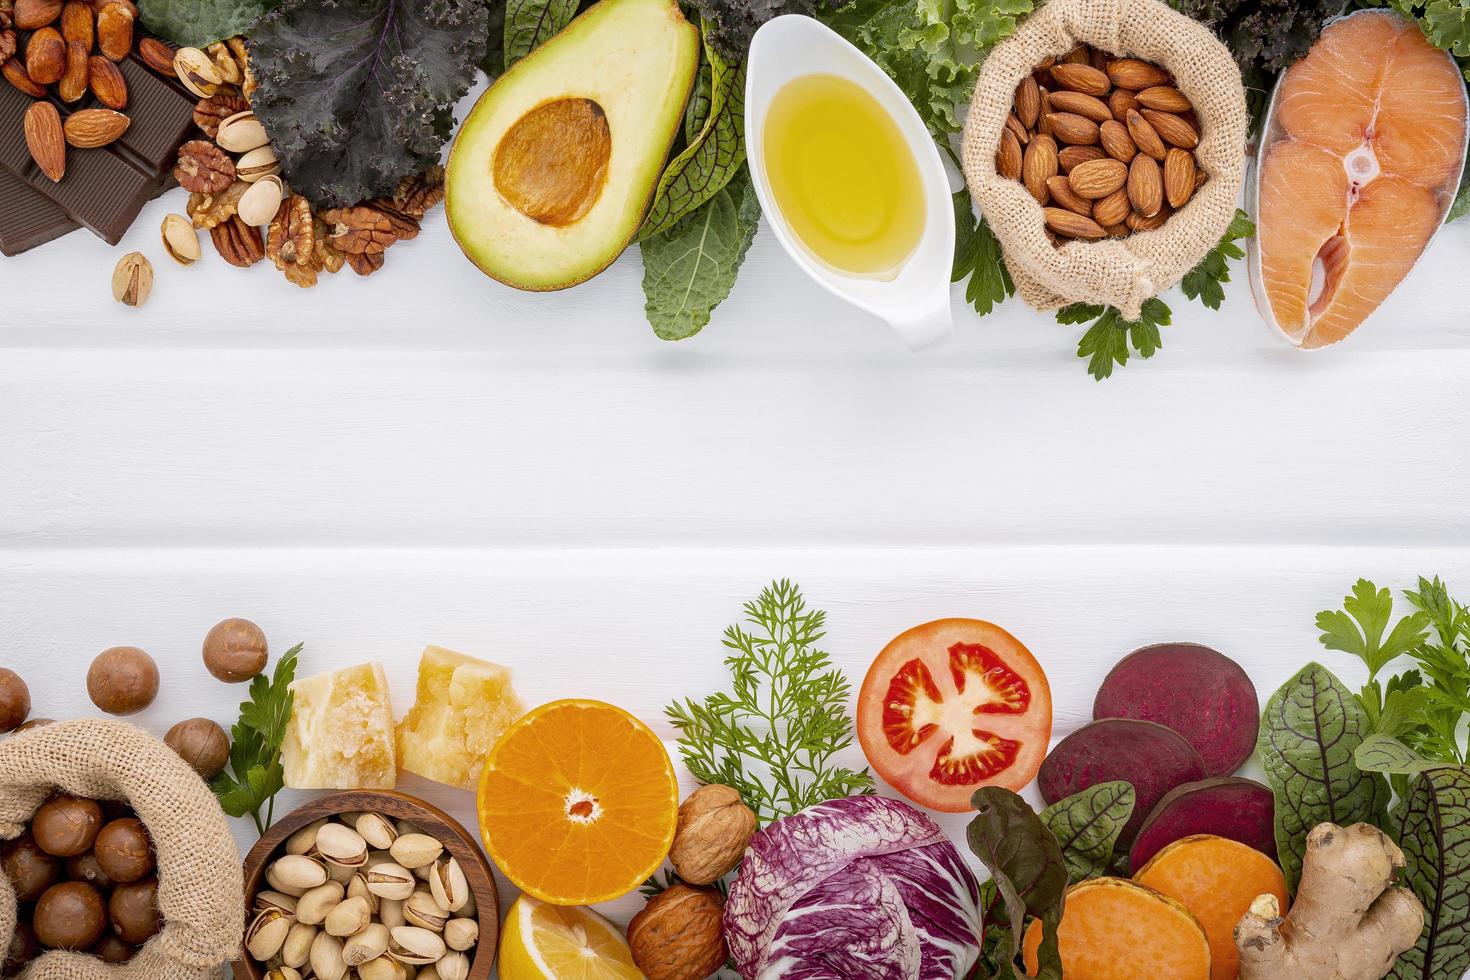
(551, 164)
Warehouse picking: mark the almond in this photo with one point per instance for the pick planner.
(1008, 158)
(1131, 73)
(1081, 78)
(1014, 127)
(1120, 102)
(1039, 163)
(1179, 171)
(1098, 59)
(1083, 105)
(73, 84)
(1043, 125)
(1078, 56)
(1164, 98)
(1139, 222)
(1118, 231)
(1097, 179)
(107, 82)
(1145, 186)
(1073, 156)
(158, 55)
(1116, 142)
(45, 140)
(87, 129)
(32, 15)
(1028, 101)
(15, 73)
(115, 29)
(1062, 193)
(79, 24)
(1172, 129)
(1145, 137)
(46, 56)
(1113, 209)
(1070, 128)
(1072, 224)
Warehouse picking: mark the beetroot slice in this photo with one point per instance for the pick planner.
(1227, 806)
(1200, 693)
(1153, 758)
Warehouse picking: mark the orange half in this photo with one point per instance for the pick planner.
(578, 803)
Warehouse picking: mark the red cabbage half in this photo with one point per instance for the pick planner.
(864, 887)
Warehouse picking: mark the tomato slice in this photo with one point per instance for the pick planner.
(951, 706)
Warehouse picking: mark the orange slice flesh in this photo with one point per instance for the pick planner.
(578, 803)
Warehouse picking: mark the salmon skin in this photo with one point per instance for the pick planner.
(1363, 148)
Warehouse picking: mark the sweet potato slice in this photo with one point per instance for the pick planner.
(1115, 929)
(1153, 758)
(1229, 806)
(1199, 692)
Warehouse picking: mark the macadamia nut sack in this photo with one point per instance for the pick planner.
(1114, 272)
(200, 884)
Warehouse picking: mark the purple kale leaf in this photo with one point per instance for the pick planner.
(732, 23)
(357, 94)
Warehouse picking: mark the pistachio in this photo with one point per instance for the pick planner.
(304, 840)
(469, 910)
(296, 950)
(368, 944)
(283, 973)
(180, 240)
(461, 934)
(241, 132)
(132, 280)
(340, 873)
(407, 827)
(338, 844)
(430, 972)
(358, 888)
(416, 850)
(197, 72)
(412, 945)
(267, 933)
(453, 966)
(375, 828)
(326, 957)
(390, 913)
(296, 871)
(390, 881)
(382, 968)
(268, 899)
(449, 886)
(257, 207)
(349, 918)
(312, 907)
(421, 910)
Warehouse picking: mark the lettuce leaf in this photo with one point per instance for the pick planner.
(189, 23)
(357, 94)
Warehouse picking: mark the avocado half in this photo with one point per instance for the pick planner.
(553, 171)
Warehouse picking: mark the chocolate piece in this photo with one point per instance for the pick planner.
(104, 189)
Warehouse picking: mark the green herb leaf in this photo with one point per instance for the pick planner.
(530, 23)
(1434, 833)
(1359, 626)
(977, 257)
(360, 93)
(1205, 281)
(1026, 863)
(1108, 341)
(1387, 755)
(1310, 730)
(189, 23)
(776, 735)
(691, 268)
(255, 774)
(1087, 824)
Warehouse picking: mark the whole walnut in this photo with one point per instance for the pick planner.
(679, 935)
(714, 828)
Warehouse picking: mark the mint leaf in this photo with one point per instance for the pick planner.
(530, 23)
(977, 257)
(1110, 339)
(1359, 626)
(189, 23)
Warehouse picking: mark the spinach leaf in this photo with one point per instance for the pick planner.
(1309, 731)
(189, 23)
(1434, 832)
(713, 155)
(1086, 826)
(1028, 869)
(528, 23)
(358, 94)
(691, 268)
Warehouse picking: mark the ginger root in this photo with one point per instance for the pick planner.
(1348, 921)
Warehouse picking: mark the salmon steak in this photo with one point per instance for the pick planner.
(1364, 148)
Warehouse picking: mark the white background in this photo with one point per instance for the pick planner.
(427, 456)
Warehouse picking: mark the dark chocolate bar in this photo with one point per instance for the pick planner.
(103, 189)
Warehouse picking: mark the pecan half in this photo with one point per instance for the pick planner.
(204, 168)
(237, 243)
(365, 263)
(209, 210)
(291, 239)
(7, 13)
(328, 256)
(367, 228)
(418, 193)
(210, 112)
(7, 44)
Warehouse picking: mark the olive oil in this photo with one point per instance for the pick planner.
(843, 176)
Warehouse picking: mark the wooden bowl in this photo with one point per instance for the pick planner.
(460, 843)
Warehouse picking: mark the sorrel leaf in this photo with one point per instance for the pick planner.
(1086, 826)
(1025, 862)
(1434, 832)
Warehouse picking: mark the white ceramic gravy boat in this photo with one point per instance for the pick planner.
(916, 301)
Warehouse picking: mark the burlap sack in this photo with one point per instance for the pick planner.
(200, 886)
(1115, 272)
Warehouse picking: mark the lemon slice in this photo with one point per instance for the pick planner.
(549, 942)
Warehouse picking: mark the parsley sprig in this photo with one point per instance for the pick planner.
(255, 773)
(1111, 338)
(774, 737)
(1205, 281)
(977, 258)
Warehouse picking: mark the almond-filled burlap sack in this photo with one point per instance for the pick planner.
(1120, 272)
(200, 885)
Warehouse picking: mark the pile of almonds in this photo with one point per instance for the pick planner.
(1104, 144)
(73, 49)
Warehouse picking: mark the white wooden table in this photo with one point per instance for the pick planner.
(428, 456)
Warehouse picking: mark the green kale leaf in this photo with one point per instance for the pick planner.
(1108, 341)
(1029, 875)
(1087, 824)
(189, 23)
(358, 94)
(1434, 833)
